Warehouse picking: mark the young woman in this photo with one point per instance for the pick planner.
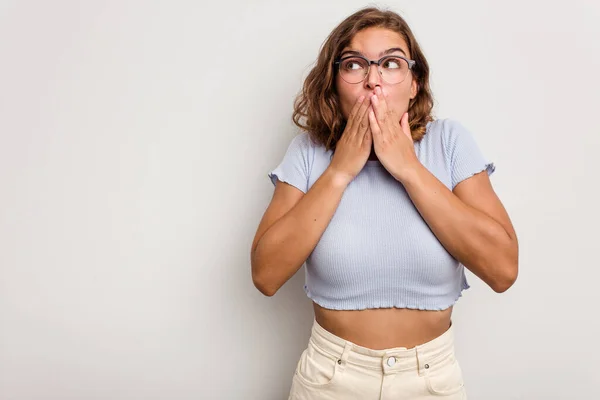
(387, 206)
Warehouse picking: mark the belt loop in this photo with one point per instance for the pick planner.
(343, 360)
(422, 365)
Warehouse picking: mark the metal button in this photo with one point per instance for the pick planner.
(426, 366)
(391, 361)
(340, 362)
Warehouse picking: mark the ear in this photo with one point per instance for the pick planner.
(414, 89)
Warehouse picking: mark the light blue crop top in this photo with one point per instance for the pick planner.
(377, 251)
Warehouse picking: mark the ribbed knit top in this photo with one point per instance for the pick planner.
(377, 251)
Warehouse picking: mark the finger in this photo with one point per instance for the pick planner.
(364, 134)
(380, 106)
(390, 114)
(362, 121)
(354, 111)
(374, 125)
(367, 138)
(387, 117)
(405, 125)
(382, 95)
(363, 109)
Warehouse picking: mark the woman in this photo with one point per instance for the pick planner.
(386, 206)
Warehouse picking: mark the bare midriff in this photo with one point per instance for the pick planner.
(384, 328)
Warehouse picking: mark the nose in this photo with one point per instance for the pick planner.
(373, 78)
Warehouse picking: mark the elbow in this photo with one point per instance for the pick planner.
(502, 286)
(260, 281)
(506, 279)
(263, 287)
(507, 269)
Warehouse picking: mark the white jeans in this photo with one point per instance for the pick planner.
(333, 368)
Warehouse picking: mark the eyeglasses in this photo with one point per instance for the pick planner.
(393, 69)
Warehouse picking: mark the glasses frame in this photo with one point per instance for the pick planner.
(338, 62)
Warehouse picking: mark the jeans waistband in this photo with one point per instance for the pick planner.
(389, 360)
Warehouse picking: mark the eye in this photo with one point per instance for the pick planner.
(393, 63)
(353, 64)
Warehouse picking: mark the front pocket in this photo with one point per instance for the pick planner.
(445, 378)
(317, 368)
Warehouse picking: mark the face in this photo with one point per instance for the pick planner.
(374, 43)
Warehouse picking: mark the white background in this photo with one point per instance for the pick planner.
(135, 141)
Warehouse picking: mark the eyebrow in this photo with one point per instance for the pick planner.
(388, 51)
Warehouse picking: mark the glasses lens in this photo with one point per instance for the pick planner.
(353, 70)
(393, 69)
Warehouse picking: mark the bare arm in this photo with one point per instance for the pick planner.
(291, 228)
(294, 222)
(471, 223)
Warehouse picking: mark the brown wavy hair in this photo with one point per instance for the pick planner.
(317, 107)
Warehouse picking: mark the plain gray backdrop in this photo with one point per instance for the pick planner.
(135, 142)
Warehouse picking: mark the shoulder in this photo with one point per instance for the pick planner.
(302, 142)
(450, 136)
(446, 130)
(304, 138)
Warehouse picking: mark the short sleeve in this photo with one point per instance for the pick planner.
(295, 166)
(463, 153)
